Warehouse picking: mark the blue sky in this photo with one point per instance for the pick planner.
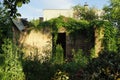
(35, 8)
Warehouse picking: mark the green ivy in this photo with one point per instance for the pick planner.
(110, 37)
(74, 27)
(110, 34)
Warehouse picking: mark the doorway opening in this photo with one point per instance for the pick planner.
(61, 39)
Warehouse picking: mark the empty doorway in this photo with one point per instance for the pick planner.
(61, 39)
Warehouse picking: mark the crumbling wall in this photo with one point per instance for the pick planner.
(37, 43)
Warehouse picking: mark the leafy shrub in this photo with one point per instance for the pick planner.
(59, 75)
(80, 58)
(37, 67)
(105, 67)
(35, 70)
(12, 66)
(58, 57)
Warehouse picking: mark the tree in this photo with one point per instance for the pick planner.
(8, 10)
(85, 13)
(11, 6)
(113, 15)
(5, 25)
(112, 12)
(10, 57)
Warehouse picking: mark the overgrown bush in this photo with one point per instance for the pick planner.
(35, 70)
(60, 75)
(11, 68)
(58, 57)
(37, 67)
(80, 58)
(105, 67)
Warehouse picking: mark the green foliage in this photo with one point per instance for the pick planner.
(75, 26)
(110, 34)
(112, 12)
(92, 53)
(79, 58)
(12, 5)
(35, 24)
(35, 70)
(12, 66)
(5, 25)
(110, 37)
(58, 57)
(58, 22)
(99, 23)
(70, 24)
(85, 13)
(59, 75)
(118, 40)
(105, 67)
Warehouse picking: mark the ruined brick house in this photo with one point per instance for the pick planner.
(81, 41)
(40, 42)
